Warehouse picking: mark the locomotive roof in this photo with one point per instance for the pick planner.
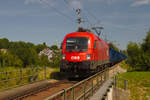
(84, 34)
(81, 34)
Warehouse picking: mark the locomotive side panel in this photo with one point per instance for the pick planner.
(101, 52)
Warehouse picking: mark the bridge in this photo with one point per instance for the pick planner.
(101, 86)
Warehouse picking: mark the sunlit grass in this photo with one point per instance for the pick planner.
(20, 76)
(138, 84)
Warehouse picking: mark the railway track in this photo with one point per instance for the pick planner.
(44, 91)
(72, 89)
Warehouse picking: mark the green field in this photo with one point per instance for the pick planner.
(12, 76)
(138, 84)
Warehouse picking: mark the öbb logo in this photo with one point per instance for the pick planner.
(75, 57)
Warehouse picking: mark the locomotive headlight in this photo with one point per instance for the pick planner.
(63, 56)
(88, 57)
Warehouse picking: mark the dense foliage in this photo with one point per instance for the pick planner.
(113, 46)
(139, 54)
(22, 54)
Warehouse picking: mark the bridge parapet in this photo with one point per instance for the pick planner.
(100, 86)
(84, 89)
(110, 91)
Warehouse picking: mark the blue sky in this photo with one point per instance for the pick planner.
(39, 21)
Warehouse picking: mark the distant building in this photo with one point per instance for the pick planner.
(3, 50)
(47, 52)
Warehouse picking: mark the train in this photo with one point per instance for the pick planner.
(84, 53)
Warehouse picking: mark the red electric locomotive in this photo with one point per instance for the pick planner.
(83, 53)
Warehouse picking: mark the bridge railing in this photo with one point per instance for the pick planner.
(120, 83)
(15, 78)
(113, 89)
(83, 89)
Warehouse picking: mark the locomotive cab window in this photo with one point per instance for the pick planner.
(77, 44)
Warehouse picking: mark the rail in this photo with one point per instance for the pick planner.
(83, 89)
(11, 79)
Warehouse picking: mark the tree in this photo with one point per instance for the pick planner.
(40, 47)
(56, 58)
(139, 55)
(134, 54)
(113, 46)
(25, 52)
(54, 47)
(44, 60)
(8, 59)
(28, 56)
(145, 46)
(4, 43)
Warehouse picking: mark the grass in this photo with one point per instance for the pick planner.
(125, 66)
(138, 84)
(13, 74)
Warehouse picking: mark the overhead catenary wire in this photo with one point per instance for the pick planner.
(59, 12)
(94, 27)
(87, 19)
(89, 13)
(73, 9)
(93, 16)
(67, 4)
(98, 21)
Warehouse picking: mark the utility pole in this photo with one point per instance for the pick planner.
(79, 18)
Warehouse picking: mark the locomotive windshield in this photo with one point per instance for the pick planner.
(77, 44)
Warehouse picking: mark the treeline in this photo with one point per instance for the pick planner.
(139, 54)
(23, 54)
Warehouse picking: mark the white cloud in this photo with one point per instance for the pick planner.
(35, 1)
(79, 3)
(140, 3)
(73, 3)
(135, 2)
(76, 4)
(45, 3)
(106, 1)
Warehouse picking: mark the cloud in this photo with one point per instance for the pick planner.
(106, 1)
(45, 3)
(36, 1)
(140, 3)
(135, 2)
(75, 4)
